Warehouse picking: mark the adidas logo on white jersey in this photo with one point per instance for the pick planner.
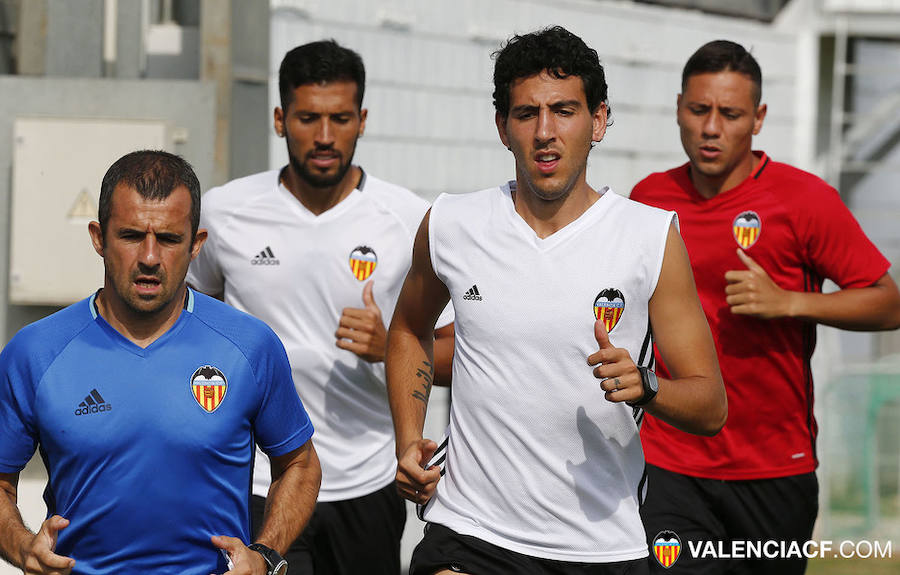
(265, 258)
(473, 294)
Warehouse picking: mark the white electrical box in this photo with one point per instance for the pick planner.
(58, 164)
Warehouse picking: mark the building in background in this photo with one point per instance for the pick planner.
(200, 76)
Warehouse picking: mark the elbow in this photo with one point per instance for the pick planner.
(716, 414)
(716, 421)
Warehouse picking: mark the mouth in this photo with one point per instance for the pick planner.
(546, 161)
(324, 160)
(708, 152)
(147, 285)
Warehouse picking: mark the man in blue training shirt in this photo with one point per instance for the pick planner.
(147, 400)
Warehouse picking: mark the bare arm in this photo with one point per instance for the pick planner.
(694, 400)
(295, 485)
(444, 341)
(410, 369)
(752, 292)
(31, 552)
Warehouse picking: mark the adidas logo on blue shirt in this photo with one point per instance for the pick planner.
(93, 403)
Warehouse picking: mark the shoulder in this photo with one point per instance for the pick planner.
(39, 343)
(470, 200)
(395, 201)
(636, 210)
(232, 196)
(794, 182)
(659, 182)
(250, 335)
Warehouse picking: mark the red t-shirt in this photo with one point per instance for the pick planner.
(797, 228)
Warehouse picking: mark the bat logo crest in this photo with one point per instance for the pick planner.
(208, 386)
(362, 262)
(666, 548)
(747, 227)
(609, 305)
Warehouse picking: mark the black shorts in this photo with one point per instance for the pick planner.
(443, 548)
(697, 509)
(350, 537)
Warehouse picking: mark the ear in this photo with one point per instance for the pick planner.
(501, 128)
(279, 121)
(96, 237)
(599, 121)
(758, 118)
(363, 114)
(199, 240)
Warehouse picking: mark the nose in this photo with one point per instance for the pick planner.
(712, 124)
(148, 256)
(324, 133)
(545, 129)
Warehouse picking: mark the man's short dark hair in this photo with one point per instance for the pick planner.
(724, 56)
(154, 174)
(555, 50)
(319, 63)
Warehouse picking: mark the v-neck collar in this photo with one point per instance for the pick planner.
(302, 212)
(129, 345)
(561, 235)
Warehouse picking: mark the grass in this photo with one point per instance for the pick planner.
(853, 566)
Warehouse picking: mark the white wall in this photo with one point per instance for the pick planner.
(431, 121)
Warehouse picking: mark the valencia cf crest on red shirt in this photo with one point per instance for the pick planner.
(747, 227)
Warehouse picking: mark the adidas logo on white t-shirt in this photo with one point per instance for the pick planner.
(473, 294)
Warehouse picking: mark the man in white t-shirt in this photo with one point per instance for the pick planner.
(542, 471)
(319, 250)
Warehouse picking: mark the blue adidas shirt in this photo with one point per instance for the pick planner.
(149, 450)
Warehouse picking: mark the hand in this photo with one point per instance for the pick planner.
(38, 555)
(414, 481)
(246, 561)
(619, 377)
(362, 330)
(752, 292)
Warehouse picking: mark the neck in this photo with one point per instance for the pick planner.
(711, 186)
(547, 217)
(320, 199)
(142, 329)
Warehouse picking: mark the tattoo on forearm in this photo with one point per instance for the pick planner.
(427, 377)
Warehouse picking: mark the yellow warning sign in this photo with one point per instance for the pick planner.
(84, 207)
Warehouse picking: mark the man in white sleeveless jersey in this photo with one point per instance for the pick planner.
(560, 293)
(319, 250)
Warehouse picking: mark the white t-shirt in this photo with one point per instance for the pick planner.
(538, 462)
(276, 260)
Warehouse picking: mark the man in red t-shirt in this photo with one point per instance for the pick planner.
(761, 236)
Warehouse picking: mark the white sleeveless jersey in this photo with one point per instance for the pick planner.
(276, 260)
(538, 462)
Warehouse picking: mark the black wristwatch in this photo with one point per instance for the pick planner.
(277, 564)
(651, 387)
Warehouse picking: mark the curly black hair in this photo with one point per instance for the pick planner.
(318, 63)
(555, 50)
(724, 56)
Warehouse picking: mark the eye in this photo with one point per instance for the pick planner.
(168, 239)
(307, 118)
(341, 119)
